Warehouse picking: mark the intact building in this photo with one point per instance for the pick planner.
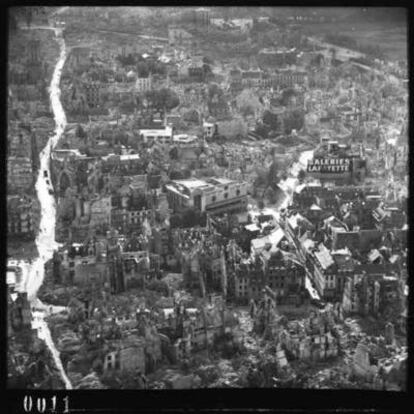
(143, 84)
(162, 136)
(216, 195)
(20, 218)
(338, 165)
(93, 94)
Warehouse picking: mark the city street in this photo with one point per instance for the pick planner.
(33, 273)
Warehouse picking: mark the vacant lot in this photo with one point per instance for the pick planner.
(391, 38)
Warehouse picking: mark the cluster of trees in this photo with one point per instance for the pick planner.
(294, 120)
(271, 122)
(159, 286)
(301, 176)
(189, 218)
(162, 99)
(143, 67)
(287, 94)
(127, 60)
(179, 174)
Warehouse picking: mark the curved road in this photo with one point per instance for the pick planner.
(45, 240)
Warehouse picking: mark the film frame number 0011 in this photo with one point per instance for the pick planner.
(45, 404)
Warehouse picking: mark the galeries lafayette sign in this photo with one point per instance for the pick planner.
(329, 165)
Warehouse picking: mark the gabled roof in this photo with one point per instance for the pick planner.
(273, 239)
(315, 207)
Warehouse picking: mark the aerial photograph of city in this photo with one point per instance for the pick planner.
(207, 197)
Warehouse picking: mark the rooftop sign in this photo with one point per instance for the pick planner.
(329, 165)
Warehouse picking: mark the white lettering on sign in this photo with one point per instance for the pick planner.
(330, 165)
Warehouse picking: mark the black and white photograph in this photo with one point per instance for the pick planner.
(207, 197)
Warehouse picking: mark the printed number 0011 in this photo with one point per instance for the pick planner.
(41, 404)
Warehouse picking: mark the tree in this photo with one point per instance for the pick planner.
(191, 116)
(272, 120)
(301, 176)
(177, 175)
(273, 175)
(286, 95)
(159, 286)
(126, 60)
(163, 99)
(142, 69)
(214, 90)
(80, 132)
(262, 130)
(173, 153)
(190, 217)
(295, 120)
(206, 69)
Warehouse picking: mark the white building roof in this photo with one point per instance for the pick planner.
(193, 184)
(259, 244)
(374, 255)
(252, 227)
(220, 181)
(308, 244)
(273, 239)
(168, 311)
(128, 157)
(293, 220)
(315, 207)
(345, 251)
(163, 131)
(184, 138)
(276, 237)
(324, 257)
(10, 278)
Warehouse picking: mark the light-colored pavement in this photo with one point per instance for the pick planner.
(33, 273)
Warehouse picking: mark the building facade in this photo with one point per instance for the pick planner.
(216, 195)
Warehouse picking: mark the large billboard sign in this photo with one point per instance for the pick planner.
(329, 165)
